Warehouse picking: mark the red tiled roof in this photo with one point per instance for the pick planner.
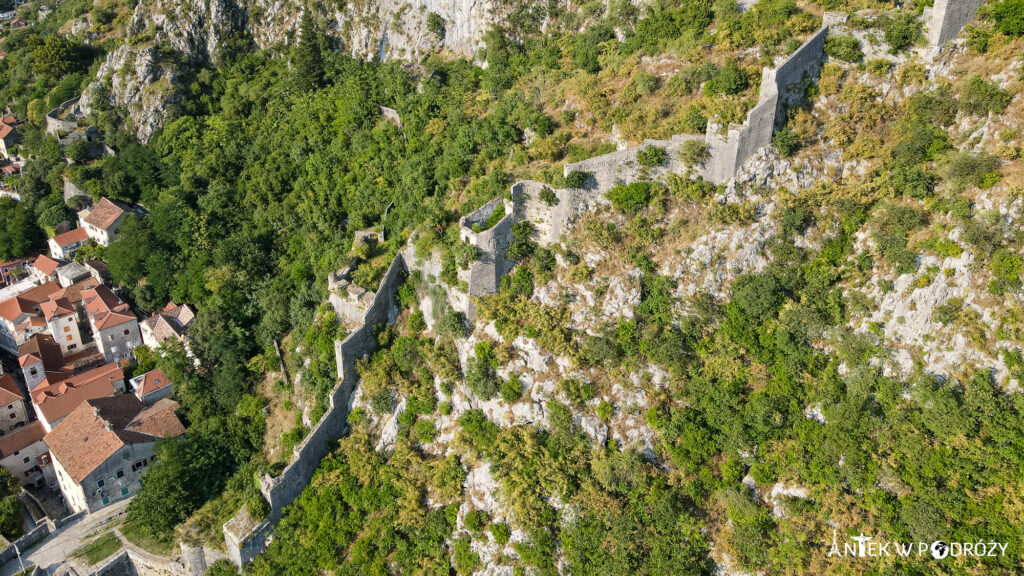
(46, 265)
(97, 429)
(41, 348)
(68, 238)
(170, 322)
(5, 130)
(9, 391)
(27, 302)
(105, 308)
(74, 292)
(57, 400)
(56, 308)
(21, 439)
(104, 214)
(152, 381)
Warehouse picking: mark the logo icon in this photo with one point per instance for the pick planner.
(940, 549)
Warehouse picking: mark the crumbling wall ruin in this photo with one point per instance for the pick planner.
(780, 88)
(245, 537)
(946, 18)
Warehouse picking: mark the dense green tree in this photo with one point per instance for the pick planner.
(18, 231)
(307, 59)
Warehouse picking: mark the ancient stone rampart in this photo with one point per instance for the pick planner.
(63, 118)
(780, 88)
(245, 537)
(946, 18)
(485, 273)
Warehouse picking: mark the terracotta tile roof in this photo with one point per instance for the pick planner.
(41, 348)
(15, 262)
(170, 322)
(151, 382)
(105, 308)
(57, 400)
(6, 130)
(159, 420)
(10, 170)
(46, 265)
(104, 214)
(27, 302)
(68, 238)
(28, 326)
(74, 292)
(56, 308)
(21, 439)
(9, 392)
(98, 428)
(9, 119)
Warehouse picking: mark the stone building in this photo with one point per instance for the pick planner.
(53, 401)
(103, 448)
(20, 316)
(63, 246)
(40, 358)
(102, 222)
(13, 412)
(26, 457)
(62, 322)
(152, 386)
(169, 323)
(115, 328)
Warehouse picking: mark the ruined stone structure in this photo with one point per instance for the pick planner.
(621, 166)
(484, 275)
(63, 118)
(244, 536)
(780, 87)
(946, 18)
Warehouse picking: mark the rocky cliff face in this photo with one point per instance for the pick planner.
(163, 35)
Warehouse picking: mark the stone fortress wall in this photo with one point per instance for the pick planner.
(245, 538)
(780, 87)
(946, 18)
(63, 118)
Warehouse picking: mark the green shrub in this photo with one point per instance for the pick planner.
(480, 432)
(1007, 267)
(452, 325)
(501, 532)
(650, 156)
(846, 48)
(548, 196)
(435, 25)
(576, 179)
(589, 46)
(942, 246)
(978, 38)
(576, 390)
(417, 322)
(901, 32)
(476, 521)
(786, 142)
(464, 559)
(966, 169)
(981, 97)
(425, 430)
(948, 312)
(728, 80)
(512, 389)
(631, 198)
(693, 152)
(1009, 16)
(695, 121)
